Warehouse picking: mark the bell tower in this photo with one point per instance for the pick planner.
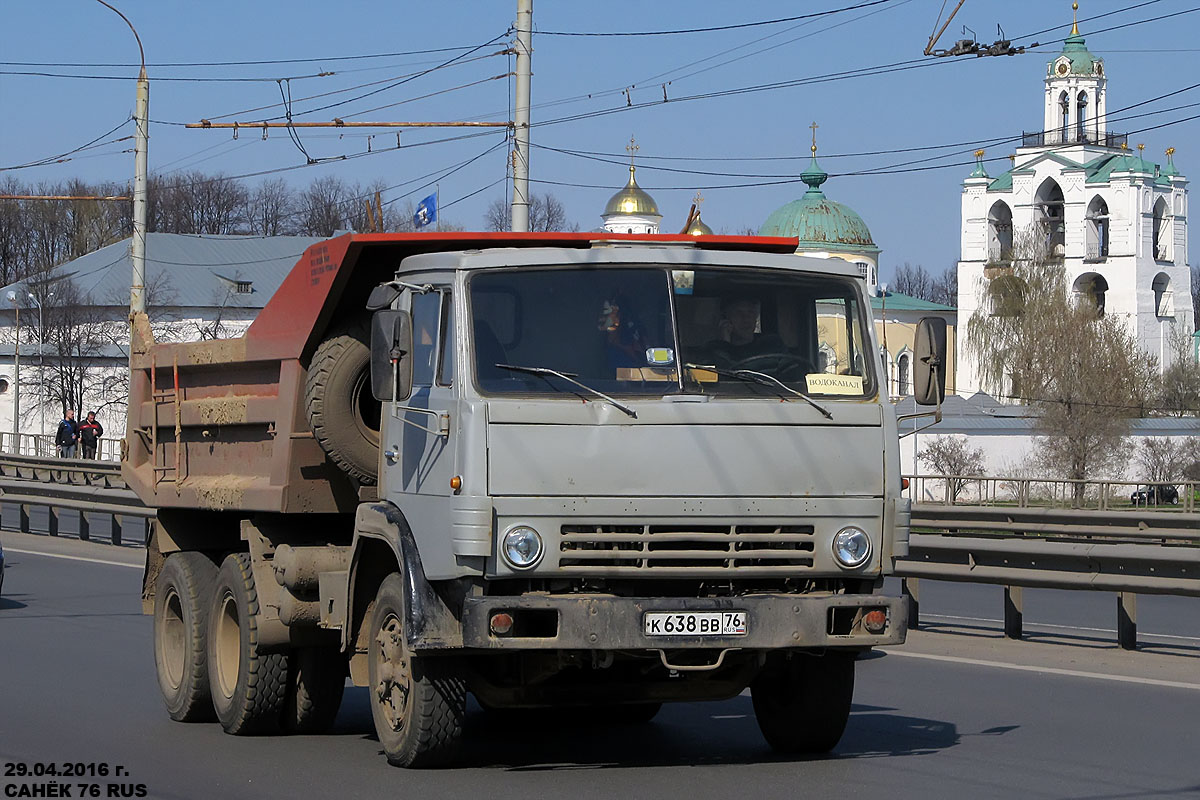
(1075, 94)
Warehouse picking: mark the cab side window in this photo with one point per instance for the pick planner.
(446, 368)
(425, 311)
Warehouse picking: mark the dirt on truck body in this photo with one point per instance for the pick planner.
(588, 471)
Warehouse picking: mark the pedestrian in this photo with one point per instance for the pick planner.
(90, 431)
(67, 436)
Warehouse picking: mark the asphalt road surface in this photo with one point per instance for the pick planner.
(957, 712)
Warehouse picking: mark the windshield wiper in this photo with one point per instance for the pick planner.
(569, 377)
(764, 379)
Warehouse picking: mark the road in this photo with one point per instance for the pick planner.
(957, 712)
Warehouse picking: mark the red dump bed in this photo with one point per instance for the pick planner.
(221, 425)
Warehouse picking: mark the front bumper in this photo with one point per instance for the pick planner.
(606, 622)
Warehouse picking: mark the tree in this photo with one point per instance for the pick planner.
(1163, 460)
(323, 206)
(193, 202)
(546, 213)
(1036, 342)
(1179, 387)
(270, 208)
(945, 287)
(950, 456)
(912, 281)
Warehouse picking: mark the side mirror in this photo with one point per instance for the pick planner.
(929, 371)
(391, 345)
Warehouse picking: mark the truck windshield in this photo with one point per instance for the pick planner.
(653, 331)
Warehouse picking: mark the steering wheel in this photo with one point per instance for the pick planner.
(782, 366)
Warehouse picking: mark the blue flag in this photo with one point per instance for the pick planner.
(426, 212)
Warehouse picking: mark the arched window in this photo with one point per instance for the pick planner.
(1000, 233)
(1049, 205)
(1081, 102)
(1162, 231)
(1090, 288)
(1064, 105)
(1006, 296)
(1164, 302)
(903, 371)
(1097, 230)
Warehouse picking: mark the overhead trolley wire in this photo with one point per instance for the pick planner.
(715, 28)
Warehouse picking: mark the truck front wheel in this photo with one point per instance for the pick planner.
(181, 602)
(418, 702)
(802, 702)
(248, 687)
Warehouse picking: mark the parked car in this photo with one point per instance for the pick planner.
(1155, 494)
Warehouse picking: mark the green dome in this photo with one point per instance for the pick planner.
(1082, 60)
(816, 220)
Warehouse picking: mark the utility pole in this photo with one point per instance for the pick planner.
(137, 250)
(141, 120)
(520, 156)
(12, 298)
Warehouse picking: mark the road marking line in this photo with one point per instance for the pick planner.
(73, 558)
(1062, 627)
(1071, 673)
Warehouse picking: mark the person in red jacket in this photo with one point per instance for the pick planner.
(90, 431)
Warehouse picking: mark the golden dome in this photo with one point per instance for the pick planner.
(632, 200)
(698, 228)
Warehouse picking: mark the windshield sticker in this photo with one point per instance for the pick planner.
(823, 383)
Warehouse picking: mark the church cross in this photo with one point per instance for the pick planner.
(632, 149)
(814, 127)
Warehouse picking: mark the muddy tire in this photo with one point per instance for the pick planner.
(802, 702)
(418, 702)
(248, 687)
(181, 604)
(342, 413)
(316, 681)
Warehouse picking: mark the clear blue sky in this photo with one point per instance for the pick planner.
(913, 216)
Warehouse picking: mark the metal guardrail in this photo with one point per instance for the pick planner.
(88, 489)
(42, 446)
(1129, 552)
(987, 490)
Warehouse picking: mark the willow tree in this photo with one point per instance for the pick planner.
(1039, 342)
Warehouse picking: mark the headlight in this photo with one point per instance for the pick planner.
(522, 547)
(851, 547)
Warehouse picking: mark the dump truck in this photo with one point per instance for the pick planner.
(586, 473)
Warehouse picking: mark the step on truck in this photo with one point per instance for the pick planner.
(590, 473)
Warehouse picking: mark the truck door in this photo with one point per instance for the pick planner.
(420, 434)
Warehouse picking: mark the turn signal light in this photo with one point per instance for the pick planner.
(904, 483)
(456, 483)
(874, 621)
(501, 623)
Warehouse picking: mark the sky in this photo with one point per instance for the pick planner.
(897, 144)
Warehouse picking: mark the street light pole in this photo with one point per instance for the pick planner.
(41, 360)
(141, 120)
(520, 153)
(12, 298)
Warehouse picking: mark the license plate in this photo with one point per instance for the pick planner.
(695, 623)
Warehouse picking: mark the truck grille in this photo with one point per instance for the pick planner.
(685, 550)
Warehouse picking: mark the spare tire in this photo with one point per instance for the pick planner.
(342, 412)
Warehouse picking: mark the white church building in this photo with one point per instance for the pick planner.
(1116, 220)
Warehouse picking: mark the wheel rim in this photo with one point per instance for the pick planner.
(393, 676)
(228, 646)
(171, 638)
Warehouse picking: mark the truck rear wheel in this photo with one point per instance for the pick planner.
(316, 681)
(181, 603)
(248, 687)
(342, 412)
(418, 702)
(802, 702)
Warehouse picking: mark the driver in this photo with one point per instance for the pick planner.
(736, 337)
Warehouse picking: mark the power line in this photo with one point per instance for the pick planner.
(312, 60)
(40, 162)
(714, 28)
